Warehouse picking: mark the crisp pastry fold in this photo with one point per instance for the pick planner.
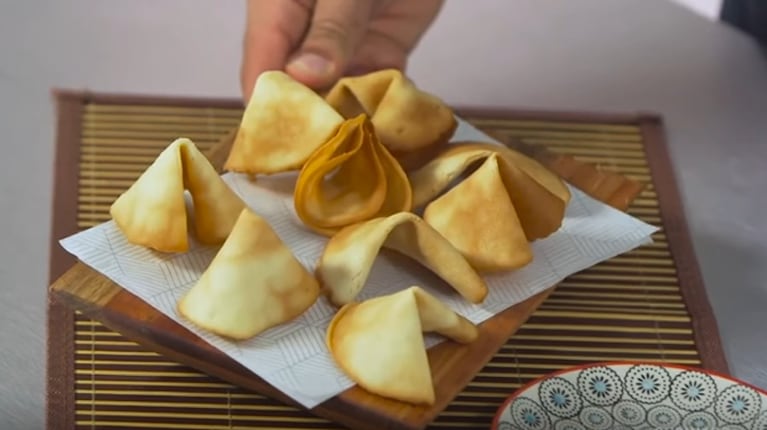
(349, 255)
(493, 212)
(479, 218)
(379, 344)
(349, 179)
(252, 284)
(283, 123)
(406, 118)
(152, 211)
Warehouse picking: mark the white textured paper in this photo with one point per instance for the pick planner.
(293, 357)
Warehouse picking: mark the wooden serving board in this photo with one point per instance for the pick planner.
(453, 366)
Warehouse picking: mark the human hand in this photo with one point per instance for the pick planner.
(319, 41)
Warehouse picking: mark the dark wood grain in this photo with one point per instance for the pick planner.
(60, 373)
(705, 328)
(453, 365)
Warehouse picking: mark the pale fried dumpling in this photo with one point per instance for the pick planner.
(349, 255)
(283, 123)
(349, 179)
(216, 206)
(539, 196)
(478, 217)
(253, 283)
(406, 118)
(152, 212)
(379, 343)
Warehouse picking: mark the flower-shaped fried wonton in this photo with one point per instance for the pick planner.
(493, 214)
(283, 123)
(379, 344)
(348, 257)
(350, 178)
(406, 118)
(252, 284)
(152, 212)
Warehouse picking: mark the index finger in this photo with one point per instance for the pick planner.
(273, 29)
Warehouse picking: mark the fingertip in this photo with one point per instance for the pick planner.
(313, 70)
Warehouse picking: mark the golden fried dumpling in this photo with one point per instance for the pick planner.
(283, 123)
(152, 212)
(379, 344)
(350, 178)
(540, 197)
(406, 118)
(348, 257)
(252, 284)
(478, 217)
(493, 214)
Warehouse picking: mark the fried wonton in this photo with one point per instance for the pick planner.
(406, 118)
(493, 214)
(216, 206)
(349, 255)
(152, 212)
(540, 197)
(379, 344)
(349, 179)
(283, 123)
(478, 217)
(252, 284)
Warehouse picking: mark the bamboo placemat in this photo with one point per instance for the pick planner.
(648, 304)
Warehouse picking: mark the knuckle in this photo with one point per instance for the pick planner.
(330, 29)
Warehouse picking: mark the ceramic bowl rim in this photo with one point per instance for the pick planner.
(580, 367)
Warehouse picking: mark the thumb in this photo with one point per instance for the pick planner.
(335, 31)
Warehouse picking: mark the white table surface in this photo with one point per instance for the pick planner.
(708, 81)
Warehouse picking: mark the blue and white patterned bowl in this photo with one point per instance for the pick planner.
(613, 396)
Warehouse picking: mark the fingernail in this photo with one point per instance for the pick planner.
(312, 63)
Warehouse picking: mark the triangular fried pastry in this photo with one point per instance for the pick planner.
(253, 283)
(406, 118)
(349, 179)
(216, 206)
(539, 196)
(449, 165)
(152, 211)
(283, 123)
(478, 217)
(379, 343)
(349, 255)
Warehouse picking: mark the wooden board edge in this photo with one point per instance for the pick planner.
(112, 98)
(705, 327)
(187, 350)
(502, 326)
(521, 113)
(59, 366)
(187, 353)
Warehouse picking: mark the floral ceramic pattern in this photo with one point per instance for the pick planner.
(663, 417)
(648, 383)
(629, 413)
(635, 396)
(559, 397)
(738, 404)
(527, 414)
(600, 385)
(693, 391)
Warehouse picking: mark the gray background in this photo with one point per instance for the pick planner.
(708, 81)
